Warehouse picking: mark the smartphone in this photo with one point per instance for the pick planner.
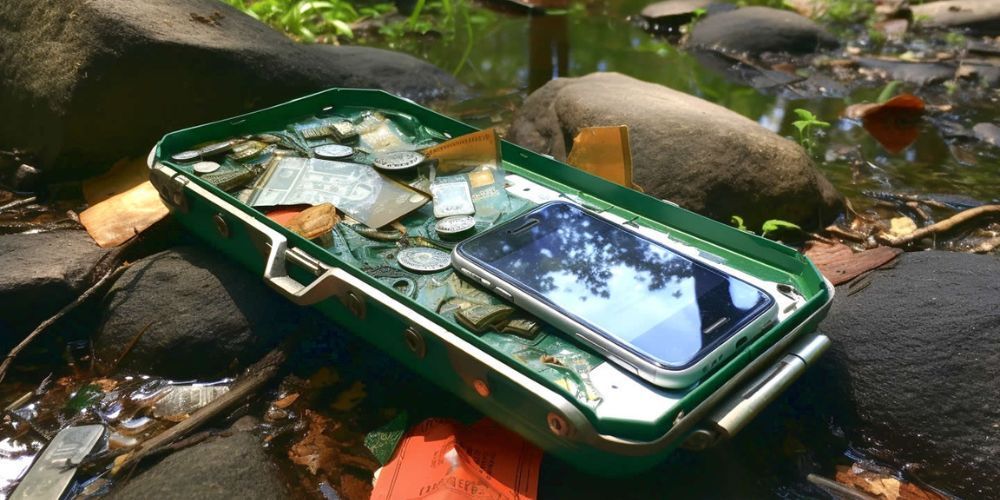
(662, 316)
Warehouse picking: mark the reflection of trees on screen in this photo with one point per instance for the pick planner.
(591, 253)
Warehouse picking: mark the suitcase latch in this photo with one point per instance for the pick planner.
(171, 186)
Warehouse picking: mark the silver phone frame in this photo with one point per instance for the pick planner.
(630, 362)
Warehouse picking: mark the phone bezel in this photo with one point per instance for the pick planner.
(704, 353)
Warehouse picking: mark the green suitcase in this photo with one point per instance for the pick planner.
(593, 415)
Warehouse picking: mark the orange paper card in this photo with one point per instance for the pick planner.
(444, 460)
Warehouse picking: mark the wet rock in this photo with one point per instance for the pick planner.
(41, 274)
(206, 316)
(692, 152)
(982, 16)
(917, 73)
(756, 30)
(669, 15)
(227, 467)
(915, 363)
(987, 132)
(93, 81)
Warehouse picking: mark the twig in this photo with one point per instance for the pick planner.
(945, 225)
(128, 348)
(18, 203)
(257, 375)
(110, 276)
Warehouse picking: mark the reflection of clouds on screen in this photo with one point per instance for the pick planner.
(631, 309)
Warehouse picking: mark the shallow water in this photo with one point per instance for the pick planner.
(509, 55)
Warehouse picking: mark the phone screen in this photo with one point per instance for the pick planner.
(640, 294)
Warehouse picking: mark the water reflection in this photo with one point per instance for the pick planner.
(645, 295)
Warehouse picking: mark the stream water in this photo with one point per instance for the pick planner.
(508, 55)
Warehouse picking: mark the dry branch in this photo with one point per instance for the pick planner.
(109, 276)
(257, 375)
(945, 225)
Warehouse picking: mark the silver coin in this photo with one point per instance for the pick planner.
(333, 151)
(216, 149)
(185, 156)
(399, 160)
(423, 260)
(205, 167)
(455, 224)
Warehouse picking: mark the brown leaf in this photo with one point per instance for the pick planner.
(895, 124)
(316, 450)
(840, 264)
(350, 398)
(882, 486)
(286, 401)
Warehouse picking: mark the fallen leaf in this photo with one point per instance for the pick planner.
(123, 175)
(324, 377)
(895, 124)
(286, 401)
(901, 226)
(120, 217)
(316, 450)
(882, 486)
(839, 264)
(350, 398)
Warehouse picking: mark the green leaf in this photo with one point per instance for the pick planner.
(889, 91)
(805, 114)
(342, 28)
(800, 124)
(775, 225)
(737, 221)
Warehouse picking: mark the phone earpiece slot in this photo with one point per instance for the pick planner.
(528, 224)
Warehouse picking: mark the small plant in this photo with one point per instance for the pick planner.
(770, 228)
(806, 124)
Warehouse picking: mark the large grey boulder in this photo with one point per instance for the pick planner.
(84, 83)
(700, 155)
(755, 30)
(41, 273)
(914, 368)
(228, 467)
(205, 315)
(981, 16)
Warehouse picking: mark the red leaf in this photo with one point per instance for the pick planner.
(895, 124)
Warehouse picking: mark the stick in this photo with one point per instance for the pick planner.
(110, 276)
(128, 348)
(945, 225)
(257, 375)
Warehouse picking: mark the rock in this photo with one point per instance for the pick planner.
(915, 360)
(228, 467)
(917, 73)
(987, 132)
(697, 154)
(669, 15)
(94, 81)
(206, 316)
(982, 16)
(41, 274)
(755, 30)
(670, 8)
